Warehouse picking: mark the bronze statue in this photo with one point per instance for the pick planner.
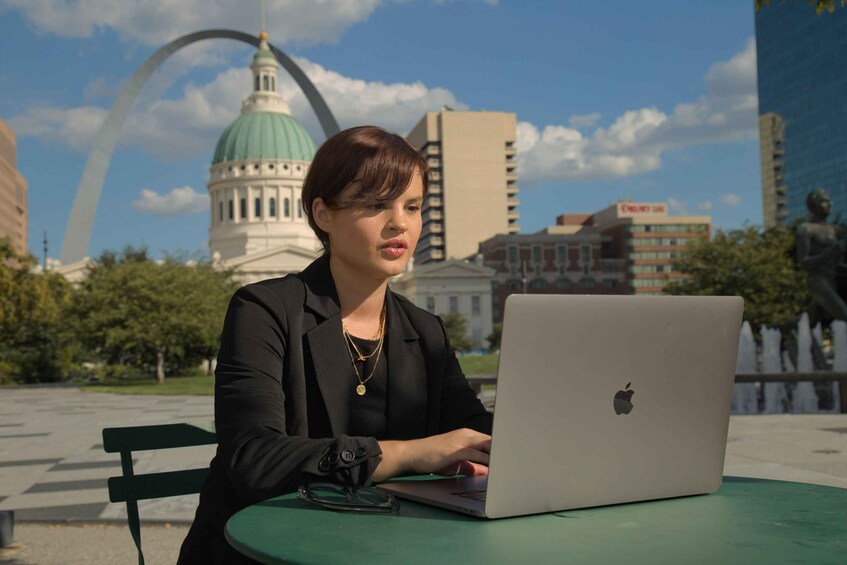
(820, 247)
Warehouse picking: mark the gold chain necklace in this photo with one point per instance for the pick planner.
(348, 341)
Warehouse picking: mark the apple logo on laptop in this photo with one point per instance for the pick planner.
(623, 402)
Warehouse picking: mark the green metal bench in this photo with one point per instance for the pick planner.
(131, 488)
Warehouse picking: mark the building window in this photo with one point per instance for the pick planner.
(475, 305)
(454, 303)
(610, 283)
(257, 205)
(536, 254)
(231, 212)
(242, 208)
(513, 255)
(286, 208)
(563, 283)
(476, 336)
(430, 304)
(257, 82)
(265, 82)
(585, 258)
(299, 209)
(587, 282)
(220, 211)
(514, 284)
(562, 253)
(272, 208)
(538, 284)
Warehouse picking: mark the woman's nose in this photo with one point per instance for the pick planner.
(398, 219)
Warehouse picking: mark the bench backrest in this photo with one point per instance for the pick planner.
(131, 488)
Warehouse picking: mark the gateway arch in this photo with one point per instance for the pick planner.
(81, 221)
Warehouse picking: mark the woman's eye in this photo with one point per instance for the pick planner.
(414, 208)
(376, 206)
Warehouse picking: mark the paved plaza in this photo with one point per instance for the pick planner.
(53, 470)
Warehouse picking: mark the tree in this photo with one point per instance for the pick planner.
(759, 266)
(820, 5)
(36, 340)
(457, 331)
(165, 315)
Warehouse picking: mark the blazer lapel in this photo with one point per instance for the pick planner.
(329, 354)
(407, 398)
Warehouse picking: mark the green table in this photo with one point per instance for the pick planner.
(747, 521)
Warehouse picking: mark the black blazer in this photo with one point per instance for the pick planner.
(282, 390)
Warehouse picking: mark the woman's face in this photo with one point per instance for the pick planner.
(374, 238)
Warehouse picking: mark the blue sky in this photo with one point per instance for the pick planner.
(653, 101)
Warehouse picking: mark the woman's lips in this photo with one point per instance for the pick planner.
(394, 252)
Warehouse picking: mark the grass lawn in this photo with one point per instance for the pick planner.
(479, 364)
(198, 386)
(204, 386)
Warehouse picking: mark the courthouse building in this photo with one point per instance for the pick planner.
(14, 214)
(258, 226)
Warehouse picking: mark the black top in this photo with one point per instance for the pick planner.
(367, 412)
(283, 405)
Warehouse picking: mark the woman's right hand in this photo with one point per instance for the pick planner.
(434, 454)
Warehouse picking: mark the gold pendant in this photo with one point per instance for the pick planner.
(362, 357)
(360, 390)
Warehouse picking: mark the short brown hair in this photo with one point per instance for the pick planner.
(381, 162)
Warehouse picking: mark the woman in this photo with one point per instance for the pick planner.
(327, 375)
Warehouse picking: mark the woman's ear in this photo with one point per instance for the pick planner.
(322, 214)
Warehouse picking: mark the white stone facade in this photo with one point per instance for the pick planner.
(452, 286)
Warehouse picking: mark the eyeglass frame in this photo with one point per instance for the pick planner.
(354, 502)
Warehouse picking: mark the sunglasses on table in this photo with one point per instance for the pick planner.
(348, 499)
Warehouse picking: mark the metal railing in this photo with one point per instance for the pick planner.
(477, 381)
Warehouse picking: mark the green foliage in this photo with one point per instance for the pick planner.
(36, 340)
(163, 316)
(759, 266)
(495, 337)
(820, 5)
(457, 330)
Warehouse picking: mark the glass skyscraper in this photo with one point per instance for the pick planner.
(802, 77)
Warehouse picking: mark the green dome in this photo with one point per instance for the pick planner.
(264, 54)
(264, 135)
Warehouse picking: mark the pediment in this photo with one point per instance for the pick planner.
(452, 268)
(284, 258)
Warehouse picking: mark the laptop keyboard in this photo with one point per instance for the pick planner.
(472, 494)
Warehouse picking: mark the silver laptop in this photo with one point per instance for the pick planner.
(602, 400)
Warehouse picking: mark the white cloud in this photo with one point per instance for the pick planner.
(637, 140)
(731, 199)
(634, 143)
(179, 201)
(705, 206)
(190, 125)
(160, 21)
(395, 106)
(677, 206)
(584, 120)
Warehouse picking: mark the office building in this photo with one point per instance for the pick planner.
(547, 262)
(472, 193)
(802, 107)
(14, 214)
(645, 236)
